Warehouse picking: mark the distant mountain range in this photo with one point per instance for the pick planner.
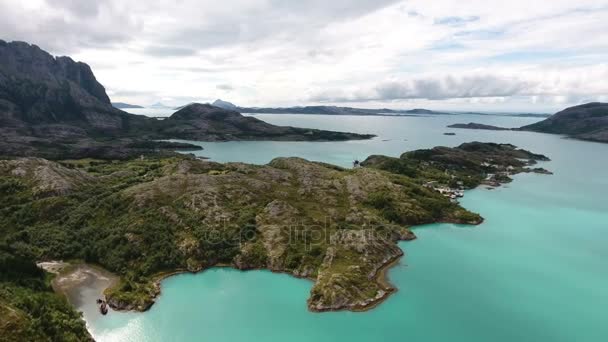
(335, 110)
(122, 105)
(55, 108)
(586, 122)
(323, 110)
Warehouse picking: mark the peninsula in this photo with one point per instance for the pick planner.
(146, 219)
(585, 122)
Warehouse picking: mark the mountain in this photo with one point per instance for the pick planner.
(159, 105)
(54, 107)
(37, 89)
(224, 104)
(210, 123)
(122, 105)
(585, 122)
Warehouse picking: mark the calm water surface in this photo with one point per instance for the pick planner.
(535, 270)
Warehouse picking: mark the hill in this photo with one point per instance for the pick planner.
(207, 122)
(585, 122)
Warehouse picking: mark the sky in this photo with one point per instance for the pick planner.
(478, 55)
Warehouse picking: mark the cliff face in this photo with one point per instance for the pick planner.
(37, 89)
(587, 122)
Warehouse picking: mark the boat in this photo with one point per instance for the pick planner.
(103, 308)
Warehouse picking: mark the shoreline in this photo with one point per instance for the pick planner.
(382, 279)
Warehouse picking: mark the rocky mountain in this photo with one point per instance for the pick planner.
(159, 105)
(38, 90)
(224, 104)
(122, 105)
(586, 122)
(54, 107)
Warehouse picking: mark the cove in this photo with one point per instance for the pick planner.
(533, 271)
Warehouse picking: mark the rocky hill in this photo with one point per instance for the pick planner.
(585, 122)
(210, 123)
(225, 104)
(473, 125)
(54, 107)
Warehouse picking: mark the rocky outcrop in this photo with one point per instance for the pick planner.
(46, 178)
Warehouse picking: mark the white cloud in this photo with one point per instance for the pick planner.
(279, 52)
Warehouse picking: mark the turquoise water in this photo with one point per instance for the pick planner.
(535, 270)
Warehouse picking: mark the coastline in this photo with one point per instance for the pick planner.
(382, 279)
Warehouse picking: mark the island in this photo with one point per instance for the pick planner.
(584, 122)
(473, 125)
(144, 219)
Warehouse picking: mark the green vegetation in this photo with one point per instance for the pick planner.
(145, 218)
(29, 308)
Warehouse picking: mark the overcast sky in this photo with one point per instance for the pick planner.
(494, 55)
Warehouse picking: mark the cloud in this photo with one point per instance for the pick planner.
(225, 87)
(277, 52)
(572, 84)
(448, 87)
(78, 7)
(168, 51)
(456, 21)
(67, 26)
